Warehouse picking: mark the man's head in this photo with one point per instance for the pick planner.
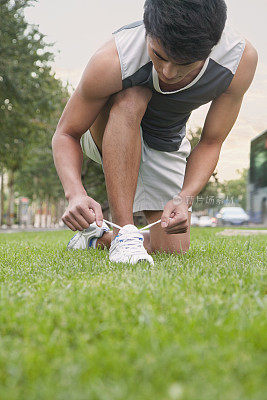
(187, 30)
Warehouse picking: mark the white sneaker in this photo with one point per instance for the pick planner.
(88, 237)
(127, 247)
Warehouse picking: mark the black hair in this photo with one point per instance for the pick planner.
(186, 29)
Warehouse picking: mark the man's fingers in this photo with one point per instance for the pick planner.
(178, 223)
(87, 214)
(176, 230)
(177, 227)
(98, 213)
(179, 219)
(80, 219)
(82, 212)
(70, 220)
(69, 225)
(165, 218)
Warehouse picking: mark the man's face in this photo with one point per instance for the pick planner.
(169, 71)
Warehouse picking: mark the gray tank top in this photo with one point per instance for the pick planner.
(164, 123)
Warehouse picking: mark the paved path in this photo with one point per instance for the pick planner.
(225, 232)
(242, 232)
(18, 230)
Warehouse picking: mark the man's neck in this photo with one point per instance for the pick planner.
(183, 83)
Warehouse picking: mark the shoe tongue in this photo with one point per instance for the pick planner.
(129, 229)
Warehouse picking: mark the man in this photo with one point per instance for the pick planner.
(136, 95)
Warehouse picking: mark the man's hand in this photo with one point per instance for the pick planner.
(81, 212)
(175, 217)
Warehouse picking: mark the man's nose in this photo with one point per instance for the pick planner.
(169, 71)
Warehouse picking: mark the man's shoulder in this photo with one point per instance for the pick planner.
(103, 71)
(107, 55)
(228, 51)
(245, 71)
(132, 48)
(249, 57)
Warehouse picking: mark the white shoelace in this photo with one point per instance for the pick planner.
(140, 230)
(128, 245)
(131, 241)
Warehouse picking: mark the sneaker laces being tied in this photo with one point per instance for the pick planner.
(120, 227)
(131, 241)
(140, 230)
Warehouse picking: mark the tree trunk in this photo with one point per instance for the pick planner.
(43, 213)
(47, 212)
(58, 212)
(39, 213)
(34, 209)
(2, 199)
(52, 213)
(11, 200)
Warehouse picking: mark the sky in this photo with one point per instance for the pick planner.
(78, 28)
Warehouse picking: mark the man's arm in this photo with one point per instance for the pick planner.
(220, 119)
(101, 79)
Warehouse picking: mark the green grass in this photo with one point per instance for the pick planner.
(73, 326)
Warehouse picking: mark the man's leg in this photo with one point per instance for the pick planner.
(158, 240)
(121, 151)
(116, 133)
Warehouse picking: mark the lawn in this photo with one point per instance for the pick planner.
(75, 327)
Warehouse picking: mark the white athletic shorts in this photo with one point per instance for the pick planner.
(161, 173)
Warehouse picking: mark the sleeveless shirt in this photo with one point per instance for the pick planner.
(164, 123)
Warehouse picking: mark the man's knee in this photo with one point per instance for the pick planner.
(132, 101)
(130, 104)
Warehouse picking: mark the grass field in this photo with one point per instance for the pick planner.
(75, 327)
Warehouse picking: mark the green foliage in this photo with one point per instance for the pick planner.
(24, 94)
(37, 176)
(31, 102)
(194, 137)
(237, 188)
(74, 326)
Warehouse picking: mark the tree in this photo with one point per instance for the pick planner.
(30, 95)
(237, 188)
(24, 68)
